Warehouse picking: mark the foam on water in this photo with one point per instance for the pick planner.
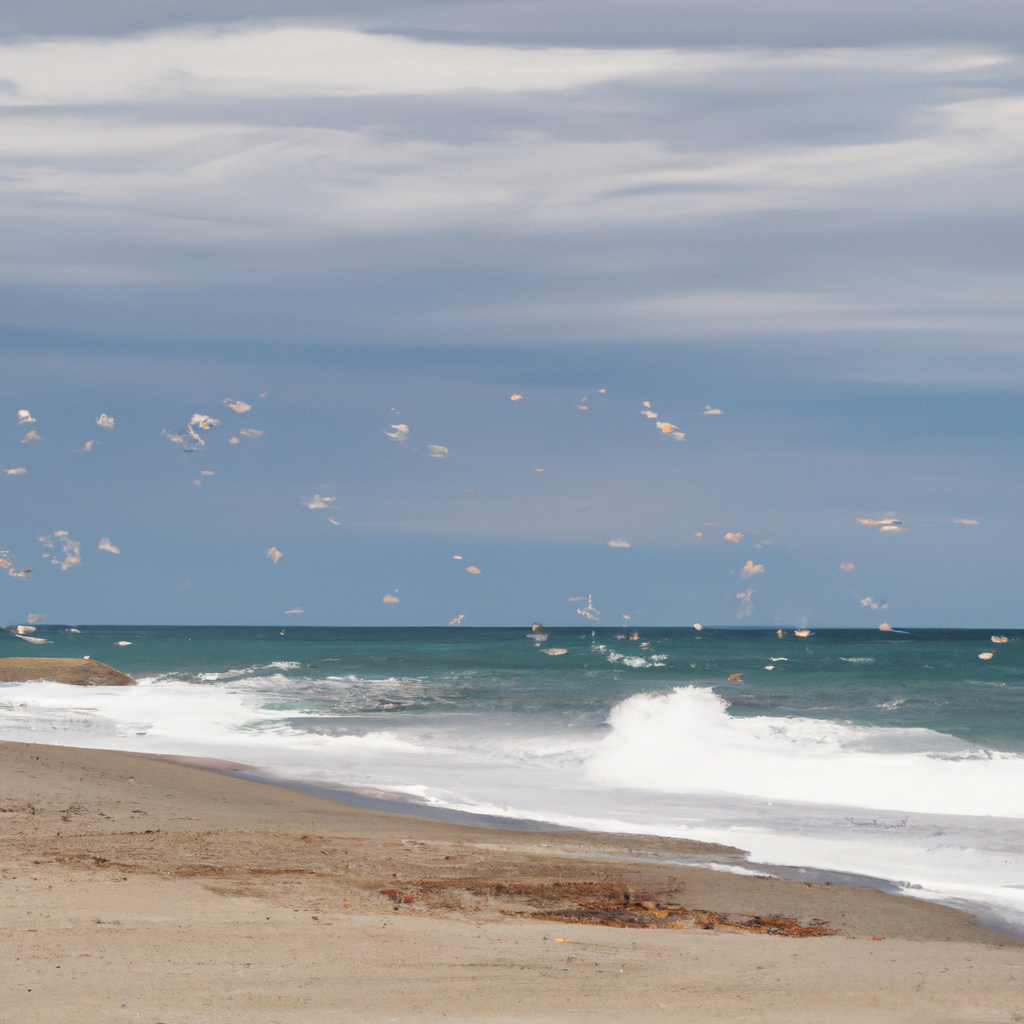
(937, 815)
(684, 742)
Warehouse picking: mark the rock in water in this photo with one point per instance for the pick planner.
(77, 671)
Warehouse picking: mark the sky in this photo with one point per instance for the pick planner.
(356, 217)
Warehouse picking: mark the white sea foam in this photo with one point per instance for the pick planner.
(637, 661)
(685, 742)
(911, 805)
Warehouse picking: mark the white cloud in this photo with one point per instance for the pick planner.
(105, 421)
(282, 61)
(105, 545)
(165, 136)
(328, 177)
(620, 543)
(750, 569)
(292, 61)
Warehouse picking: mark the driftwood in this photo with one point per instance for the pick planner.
(603, 904)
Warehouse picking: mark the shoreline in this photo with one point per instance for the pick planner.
(148, 883)
(733, 860)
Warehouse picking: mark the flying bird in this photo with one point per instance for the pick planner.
(6, 562)
(70, 548)
(187, 436)
(274, 555)
(318, 502)
(671, 428)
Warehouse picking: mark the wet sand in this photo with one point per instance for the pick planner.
(136, 887)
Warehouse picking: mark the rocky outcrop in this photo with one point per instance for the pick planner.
(76, 671)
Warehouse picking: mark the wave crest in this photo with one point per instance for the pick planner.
(687, 742)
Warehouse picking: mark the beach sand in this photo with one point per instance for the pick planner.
(143, 888)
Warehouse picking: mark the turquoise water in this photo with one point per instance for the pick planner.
(894, 755)
(930, 679)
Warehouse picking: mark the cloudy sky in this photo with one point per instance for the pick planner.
(354, 216)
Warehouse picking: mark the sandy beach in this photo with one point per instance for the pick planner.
(145, 888)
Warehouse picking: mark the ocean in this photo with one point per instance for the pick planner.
(891, 759)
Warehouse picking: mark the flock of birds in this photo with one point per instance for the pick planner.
(62, 551)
